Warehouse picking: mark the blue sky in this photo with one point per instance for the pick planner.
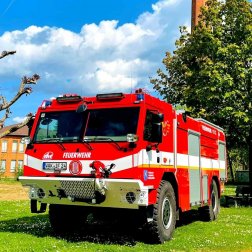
(85, 47)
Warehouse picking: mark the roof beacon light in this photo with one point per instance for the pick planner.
(45, 104)
(139, 94)
(68, 98)
(109, 96)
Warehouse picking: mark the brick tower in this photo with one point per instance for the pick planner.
(196, 5)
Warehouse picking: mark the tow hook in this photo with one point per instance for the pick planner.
(100, 186)
(99, 170)
(100, 191)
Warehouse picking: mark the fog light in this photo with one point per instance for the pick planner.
(131, 197)
(41, 193)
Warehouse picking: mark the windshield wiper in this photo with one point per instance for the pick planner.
(106, 139)
(88, 144)
(50, 139)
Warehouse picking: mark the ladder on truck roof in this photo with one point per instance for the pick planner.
(209, 123)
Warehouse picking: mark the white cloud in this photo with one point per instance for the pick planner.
(102, 57)
(108, 35)
(159, 6)
(18, 119)
(117, 74)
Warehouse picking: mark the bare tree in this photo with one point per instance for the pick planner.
(24, 88)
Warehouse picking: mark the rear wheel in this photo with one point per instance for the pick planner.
(64, 218)
(164, 214)
(211, 212)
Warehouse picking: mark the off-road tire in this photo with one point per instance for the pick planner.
(211, 212)
(164, 214)
(64, 218)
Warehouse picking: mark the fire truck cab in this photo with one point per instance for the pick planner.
(122, 151)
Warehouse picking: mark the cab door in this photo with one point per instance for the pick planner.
(153, 136)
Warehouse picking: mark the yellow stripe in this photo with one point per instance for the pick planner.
(179, 167)
(156, 166)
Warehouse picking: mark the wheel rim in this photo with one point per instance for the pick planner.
(214, 200)
(166, 213)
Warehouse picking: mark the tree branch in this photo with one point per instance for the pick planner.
(6, 53)
(22, 90)
(6, 115)
(18, 126)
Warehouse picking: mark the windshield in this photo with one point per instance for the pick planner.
(111, 124)
(59, 126)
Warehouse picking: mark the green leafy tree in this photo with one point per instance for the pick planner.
(210, 71)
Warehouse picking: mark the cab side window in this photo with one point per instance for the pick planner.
(153, 126)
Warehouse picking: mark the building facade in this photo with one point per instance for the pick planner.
(12, 152)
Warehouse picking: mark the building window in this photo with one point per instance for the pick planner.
(21, 147)
(20, 165)
(4, 145)
(14, 145)
(13, 166)
(3, 165)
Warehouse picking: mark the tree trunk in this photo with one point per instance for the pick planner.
(250, 160)
(230, 164)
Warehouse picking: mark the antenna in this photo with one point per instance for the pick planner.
(131, 85)
(7, 8)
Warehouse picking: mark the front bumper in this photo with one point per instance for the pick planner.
(116, 193)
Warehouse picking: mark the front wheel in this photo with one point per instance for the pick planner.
(164, 214)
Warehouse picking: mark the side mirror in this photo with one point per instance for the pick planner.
(26, 140)
(156, 133)
(132, 138)
(157, 117)
(46, 121)
(153, 127)
(81, 108)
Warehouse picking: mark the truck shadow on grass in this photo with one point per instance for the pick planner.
(115, 233)
(37, 225)
(102, 233)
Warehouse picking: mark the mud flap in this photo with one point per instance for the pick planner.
(34, 207)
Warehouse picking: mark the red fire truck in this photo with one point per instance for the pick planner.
(119, 151)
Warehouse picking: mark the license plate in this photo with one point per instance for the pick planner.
(52, 166)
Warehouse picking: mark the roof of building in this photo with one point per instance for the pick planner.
(20, 132)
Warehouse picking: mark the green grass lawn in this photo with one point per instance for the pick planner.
(8, 181)
(22, 231)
